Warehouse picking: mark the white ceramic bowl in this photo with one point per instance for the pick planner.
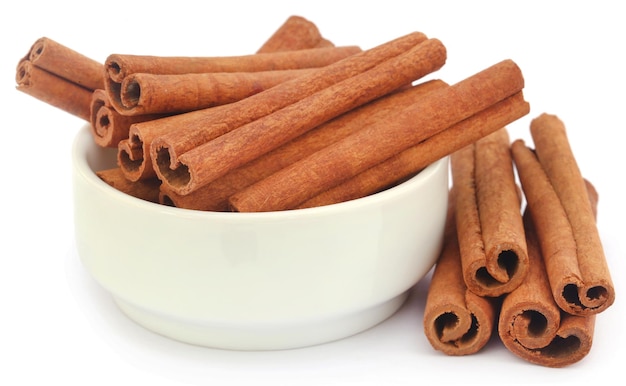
(257, 281)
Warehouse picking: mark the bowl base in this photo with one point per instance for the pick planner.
(257, 337)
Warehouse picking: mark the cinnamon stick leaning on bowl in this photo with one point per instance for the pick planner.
(564, 219)
(59, 76)
(456, 320)
(412, 160)
(489, 219)
(531, 325)
(53, 90)
(366, 148)
(66, 63)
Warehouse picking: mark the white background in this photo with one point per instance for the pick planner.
(56, 324)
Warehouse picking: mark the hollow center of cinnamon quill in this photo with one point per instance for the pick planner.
(103, 125)
(508, 262)
(448, 328)
(22, 76)
(562, 347)
(114, 69)
(132, 93)
(37, 50)
(178, 176)
(596, 295)
(530, 327)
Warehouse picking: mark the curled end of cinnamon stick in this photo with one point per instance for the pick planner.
(22, 73)
(596, 297)
(37, 49)
(532, 325)
(134, 159)
(491, 232)
(102, 121)
(563, 207)
(458, 331)
(579, 299)
(533, 336)
(585, 299)
(52, 89)
(456, 321)
(177, 174)
(510, 261)
(114, 68)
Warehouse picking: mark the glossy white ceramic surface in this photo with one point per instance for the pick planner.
(257, 281)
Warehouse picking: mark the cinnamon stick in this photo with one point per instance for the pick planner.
(489, 220)
(119, 66)
(294, 34)
(456, 320)
(214, 196)
(179, 134)
(412, 160)
(368, 147)
(531, 325)
(147, 189)
(215, 158)
(53, 90)
(108, 127)
(59, 76)
(142, 93)
(133, 153)
(557, 199)
(66, 63)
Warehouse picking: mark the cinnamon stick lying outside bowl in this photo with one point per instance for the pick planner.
(256, 281)
(456, 321)
(532, 324)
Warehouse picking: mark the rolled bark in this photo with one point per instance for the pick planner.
(412, 160)
(558, 201)
(119, 66)
(53, 90)
(456, 320)
(142, 94)
(358, 152)
(176, 135)
(489, 219)
(532, 325)
(214, 196)
(109, 127)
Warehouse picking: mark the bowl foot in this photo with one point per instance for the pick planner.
(257, 336)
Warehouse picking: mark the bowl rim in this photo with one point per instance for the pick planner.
(83, 142)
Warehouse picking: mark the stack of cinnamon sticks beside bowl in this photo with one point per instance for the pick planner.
(536, 275)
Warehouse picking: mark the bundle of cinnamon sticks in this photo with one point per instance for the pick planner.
(303, 123)
(536, 275)
(259, 132)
